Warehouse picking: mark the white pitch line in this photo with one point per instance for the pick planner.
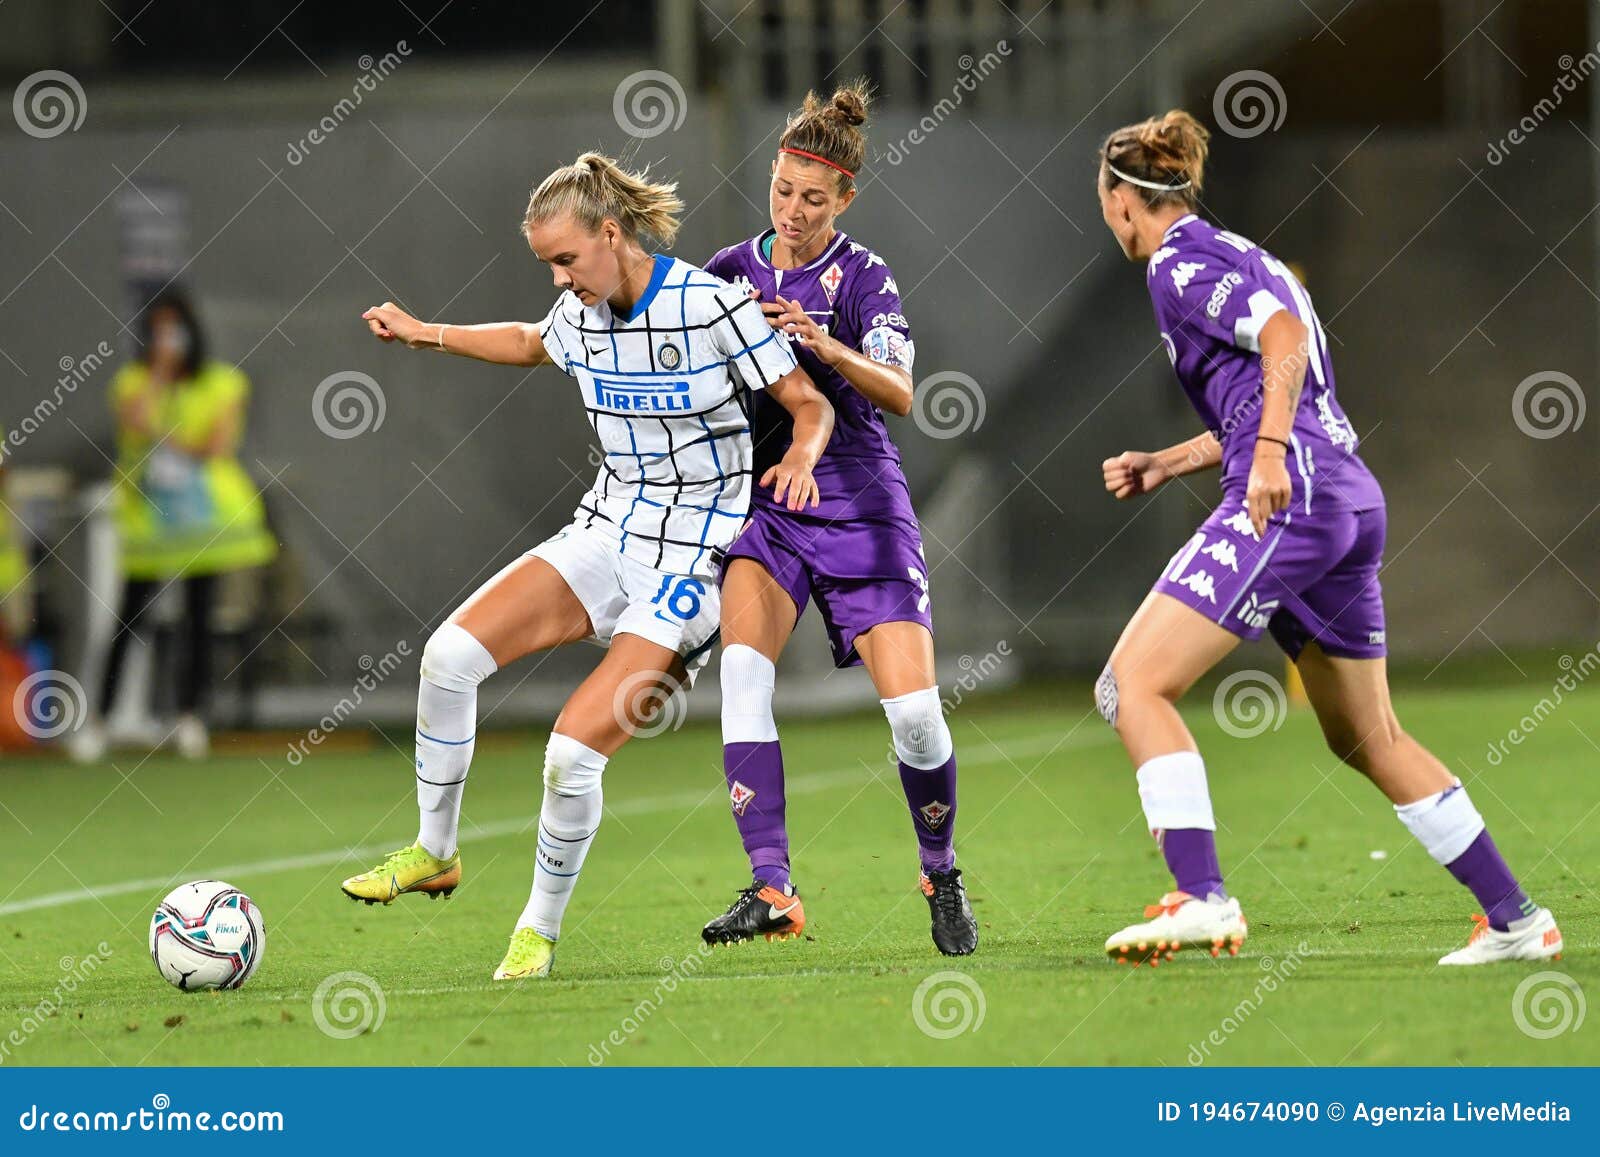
(796, 785)
(1238, 966)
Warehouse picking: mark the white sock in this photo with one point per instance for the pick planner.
(918, 730)
(453, 664)
(1173, 790)
(748, 677)
(1445, 823)
(568, 821)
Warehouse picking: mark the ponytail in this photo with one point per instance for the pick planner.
(1163, 157)
(595, 187)
(829, 131)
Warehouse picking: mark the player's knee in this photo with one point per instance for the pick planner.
(1346, 745)
(1120, 697)
(570, 767)
(455, 660)
(1106, 695)
(1364, 749)
(917, 724)
(748, 678)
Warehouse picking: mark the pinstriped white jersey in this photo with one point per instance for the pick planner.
(664, 389)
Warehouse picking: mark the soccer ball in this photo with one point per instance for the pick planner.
(206, 934)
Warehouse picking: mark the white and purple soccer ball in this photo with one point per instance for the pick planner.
(206, 934)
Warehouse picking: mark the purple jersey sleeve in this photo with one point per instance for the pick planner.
(724, 264)
(1225, 296)
(874, 317)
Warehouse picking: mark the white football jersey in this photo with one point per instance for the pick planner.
(664, 390)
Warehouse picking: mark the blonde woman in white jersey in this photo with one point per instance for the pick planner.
(662, 352)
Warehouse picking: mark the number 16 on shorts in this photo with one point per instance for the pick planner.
(678, 599)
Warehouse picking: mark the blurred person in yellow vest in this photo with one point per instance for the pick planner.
(13, 572)
(186, 511)
(13, 558)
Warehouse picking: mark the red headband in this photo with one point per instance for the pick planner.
(823, 160)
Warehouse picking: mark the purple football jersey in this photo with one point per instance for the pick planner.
(851, 294)
(1213, 292)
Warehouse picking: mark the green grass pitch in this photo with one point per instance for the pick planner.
(1339, 968)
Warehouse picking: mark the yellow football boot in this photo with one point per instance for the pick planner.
(410, 869)
(529, 957)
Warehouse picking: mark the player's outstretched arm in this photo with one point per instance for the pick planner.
(813, 423)
(507, 343)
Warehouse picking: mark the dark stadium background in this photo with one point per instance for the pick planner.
(1445, 278)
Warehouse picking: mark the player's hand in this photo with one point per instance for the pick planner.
(1268, 491)
(771, 310)
(1134, 472)
(790, 319)
(792, 484)
(391, 323)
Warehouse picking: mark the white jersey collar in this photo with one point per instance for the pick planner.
(758, 245)
(1179, 223)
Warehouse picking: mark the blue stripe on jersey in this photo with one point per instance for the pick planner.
(705, 527)
(691, 284)
(657, 373)
(667, 454)
(711, 510)
(683, 322)
(622, 547)
(772, 336)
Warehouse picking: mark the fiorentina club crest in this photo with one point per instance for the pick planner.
(740, 795)
(934, 814)
(830, 280)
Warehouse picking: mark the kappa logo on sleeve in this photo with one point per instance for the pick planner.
(1184, 272)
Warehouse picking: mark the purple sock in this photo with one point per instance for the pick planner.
(1482, 869)
(1192, 858)
(931, 795)
(755, 789)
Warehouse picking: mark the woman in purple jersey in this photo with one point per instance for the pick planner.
(1295, 549)
(858, 556)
